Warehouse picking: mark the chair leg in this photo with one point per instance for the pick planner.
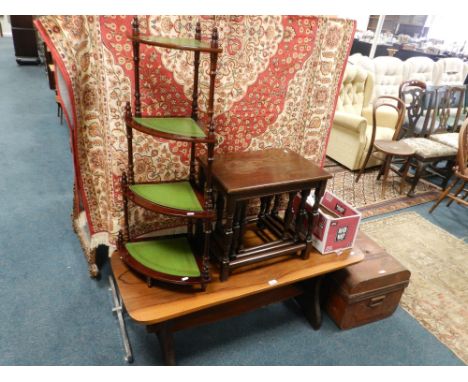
(404, 174)
(386, 169)
(419, 171)
(363, 168)
(459, 189)
(443, 195)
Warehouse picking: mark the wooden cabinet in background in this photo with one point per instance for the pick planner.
(24, 40)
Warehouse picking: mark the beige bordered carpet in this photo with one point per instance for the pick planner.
(437, 295)
(366, 194)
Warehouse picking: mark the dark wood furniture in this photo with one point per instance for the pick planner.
(402, 52)
(165, 309)
(418, 103)
(242, 177)
(400, 24)
(368, 291)
(438, 103)
(390, 148)
(178, 260)
(24, 40)
(461, 172)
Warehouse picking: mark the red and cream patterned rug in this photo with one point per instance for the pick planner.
(366, 194)
(437, 295)
(277, 86)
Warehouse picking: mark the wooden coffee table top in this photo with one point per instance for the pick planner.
(161, 303)
(239, 172)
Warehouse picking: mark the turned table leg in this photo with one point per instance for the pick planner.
(228, 232)
(288, 215)
(301, 213)
(243, 224)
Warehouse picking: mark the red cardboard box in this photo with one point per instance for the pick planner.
(337, 225)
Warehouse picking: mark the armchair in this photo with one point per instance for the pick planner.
(351, 132)
(450, 71)
(420, 69)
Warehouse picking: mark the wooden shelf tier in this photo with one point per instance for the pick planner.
(176, 43)
(177, 198)
(174, 128)
(166, 259)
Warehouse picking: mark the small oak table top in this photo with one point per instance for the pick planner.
(270, 169)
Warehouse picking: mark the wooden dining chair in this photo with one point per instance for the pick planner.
(418, 102)
(430, 154)
(460, 172)
(449, 114)
(390, 148)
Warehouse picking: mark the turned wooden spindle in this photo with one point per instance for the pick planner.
(136, 63)
(128, 117)
(211, 129)
(120, 240)
(126, 227)
(206, 251)
(196, 65)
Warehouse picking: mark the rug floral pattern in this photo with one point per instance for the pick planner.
(277, 83)
(366, 194)
(437, 295)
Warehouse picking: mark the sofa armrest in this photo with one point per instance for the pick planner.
(348, 121)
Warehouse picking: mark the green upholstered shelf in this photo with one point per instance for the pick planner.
(176, 43)
(182, 126)
(176, 195)
(169, 256)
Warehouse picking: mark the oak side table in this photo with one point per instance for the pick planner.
(241, 177)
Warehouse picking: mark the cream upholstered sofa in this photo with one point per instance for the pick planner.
(352, 126)
(450, 71)
(421, 69)
(387, 72)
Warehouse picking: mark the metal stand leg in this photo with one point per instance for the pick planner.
(118, 309)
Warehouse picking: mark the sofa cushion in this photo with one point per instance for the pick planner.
(388, 75)
(427, 148)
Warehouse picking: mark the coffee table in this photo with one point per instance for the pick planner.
(164, 308)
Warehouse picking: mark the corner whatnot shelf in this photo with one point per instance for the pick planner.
(177, 259)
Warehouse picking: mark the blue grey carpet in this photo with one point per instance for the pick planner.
(52, 313)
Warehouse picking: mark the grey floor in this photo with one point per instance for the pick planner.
(52, 313)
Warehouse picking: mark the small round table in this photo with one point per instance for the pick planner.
(391, 149)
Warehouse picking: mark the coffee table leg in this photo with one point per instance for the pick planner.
(166, 340)
(310, 302)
